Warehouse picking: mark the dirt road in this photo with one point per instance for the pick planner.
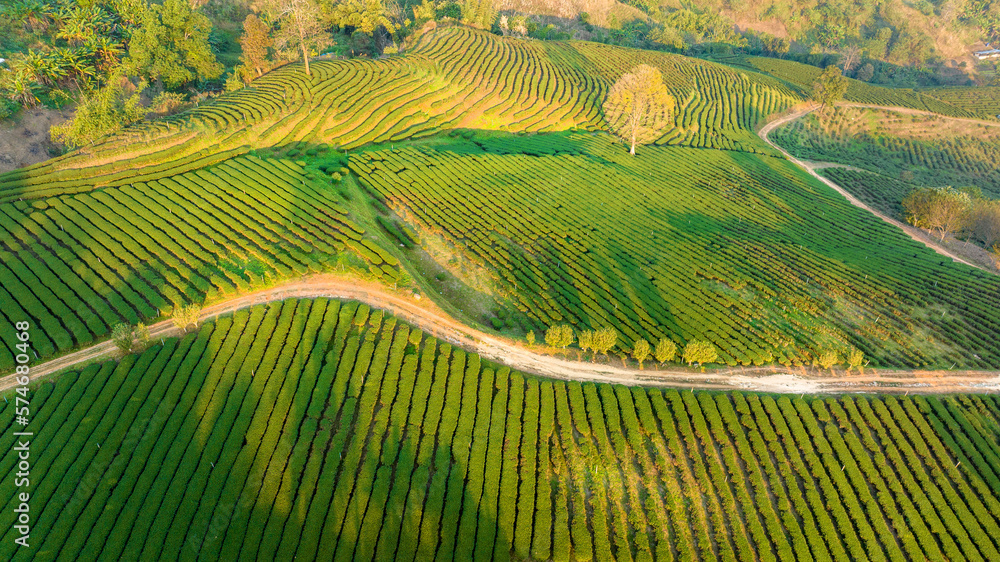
(426, 316)
(811, 167)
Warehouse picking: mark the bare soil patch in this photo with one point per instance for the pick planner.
(25, 140)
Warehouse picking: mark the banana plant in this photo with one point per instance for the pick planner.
(107, 53)
(20, 86)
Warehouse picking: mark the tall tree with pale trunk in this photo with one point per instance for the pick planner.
(639, 107)
(299, 27)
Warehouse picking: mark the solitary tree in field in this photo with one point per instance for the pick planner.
(666, 349)
(700, 352)
(830, 87)
(255, 42)
(639, 107)
(185, 316)
(640, 351)
(128, 338)
(530, 337)
(122, 337)
(299, 27)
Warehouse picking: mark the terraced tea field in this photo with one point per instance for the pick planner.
(451, 78)
(76, 265)
(953, 102)
(742, 250)
(920, 150)
(316, 426)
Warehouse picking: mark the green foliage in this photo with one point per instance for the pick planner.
(364, 15)
(605, 339)
(129, 339)
(640, 351)
(186, 316)
(122, 336)
(255, 46)
(530, 337)
(612, 262)
(461, 452)
(298, 28)
(559, 336)
(172, 46)
(665, 351)
(945, 210)
(586, 340)
(828, 358)
(866, 72)
(639, 107)
(830, 87)
(100, 113)
(480, 13)
(855, 357)
(701, 352)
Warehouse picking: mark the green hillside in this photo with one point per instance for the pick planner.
(453, 77)
(494, 146)
(323, 429)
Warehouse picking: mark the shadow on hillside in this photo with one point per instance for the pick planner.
(207, 453)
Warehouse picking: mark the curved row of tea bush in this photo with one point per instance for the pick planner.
(740, 250)
(870, 139)
(316, 428)
(452, 77)
(76, 265)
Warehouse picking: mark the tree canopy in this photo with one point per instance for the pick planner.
(639, 108)
(700, 352)
(172, 45)
(364, 15)
(830, 87)
(255, 43)
(299, 27)
(944, 210)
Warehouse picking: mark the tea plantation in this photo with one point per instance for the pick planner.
(319, 428)
(739, 249)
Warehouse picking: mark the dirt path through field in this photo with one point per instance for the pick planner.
(811, 167)
(426, 316)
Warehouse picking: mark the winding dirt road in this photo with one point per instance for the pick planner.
(811, 167)
(428, 317)
(423, 314)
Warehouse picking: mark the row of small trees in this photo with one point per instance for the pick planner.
(603, 340)
(133, 339)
